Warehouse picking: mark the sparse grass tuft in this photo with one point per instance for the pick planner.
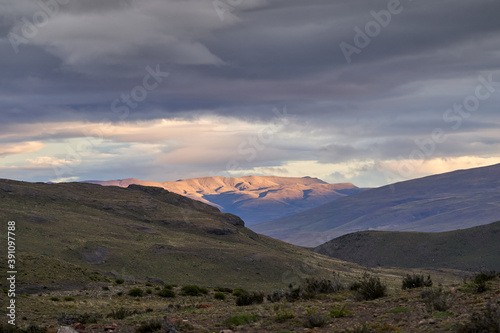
(281, 313)
(435, 299)
(121, 313)
(341, 311)
(239, 320)
(313, 318)
(399, 309)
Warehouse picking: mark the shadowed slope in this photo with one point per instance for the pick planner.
(450, 201)
(471, 249)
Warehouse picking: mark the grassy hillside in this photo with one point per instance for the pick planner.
(141, 233)
(450, 201)
(472, 249)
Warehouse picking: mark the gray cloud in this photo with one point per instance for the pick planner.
(264, 54)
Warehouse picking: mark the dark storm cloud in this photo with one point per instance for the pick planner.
(262, 55)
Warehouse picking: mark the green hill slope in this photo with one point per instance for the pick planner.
(146, 232)
(471, 249)
(449, 201)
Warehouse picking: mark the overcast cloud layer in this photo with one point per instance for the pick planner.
(369, 92)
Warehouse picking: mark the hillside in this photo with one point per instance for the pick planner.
(254, 198)
(140, 233)
(472, 249)
(449, 201)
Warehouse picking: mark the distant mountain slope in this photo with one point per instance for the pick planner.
(147, 232)
(449, 201)
(472, 249)
(253, 198)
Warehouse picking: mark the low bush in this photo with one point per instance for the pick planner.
(238, 291)
(219, 295)
(276, 296)
(136, 292)
(119, 281)
(313, 287)
(435, 299)
(68, 299)
(86, 318)
(55, 299)
(239, 320)
(169, 286)
(281, 313)
(121, 313)
(149, 327)
(313, 318)
(193, 290)
(369, 287)
(416, 281)
(168, 293)
(224, 290)
(340, 311)
(247, 298)
(481, 278)
(486, 320)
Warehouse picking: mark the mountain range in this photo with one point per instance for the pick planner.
(449, 201)
(473, 249)
(253, 198)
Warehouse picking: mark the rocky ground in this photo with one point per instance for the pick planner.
(109, 308)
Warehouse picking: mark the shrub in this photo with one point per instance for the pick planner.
(399, 309)
(105, 288)
(281, 312)
(249, 299)
(169, 286)
(313, 287)
(150, 327)
(86, 318)
(340, 312)
(149, 291)
(276, 296)
(121, 313)
(149, 284)
(238, 291)
(55, 299)
(224, 290)
(314, 319)
(136, 292)
(219, 295)
(435, 300)
(68, 299)
(371, 288)
(487, 320)
(240, 319)
(416, 281)
(481, 278)
(193, 291)
(169, 293)
(119, 281)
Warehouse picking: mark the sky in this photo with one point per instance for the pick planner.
(367, 92)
